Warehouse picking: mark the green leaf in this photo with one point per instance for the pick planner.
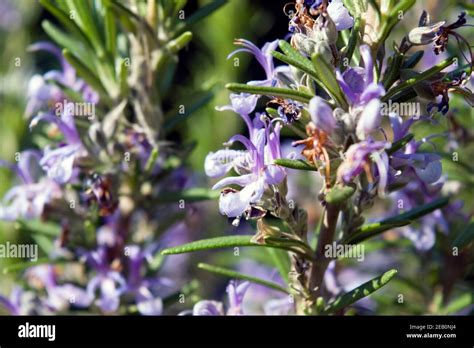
(180, 42)
(392, 74)
(45, 243)
(212, 243)
(203, 12)
(65, 20)
(189, 195)
(339, 194)
(418, 79)
(370, 230)
(465, 237)
(402, 7)
(21, 266)
(236, 275)
(281, 261)
(69, 42)
(296, 59)
(360, 292)
(458, 304)
(122, 79)
(355, 7)
(38, 226)
(82, 13)
(85, 73)
(296, 56)
(399, 144)
(418, 212)
(226, 242)
(391, 20)
(124, 15)
(412, 60)
(270, 91)
(110, 32)
(326, 74)
(151, 160)
(295, 164)
(297, 64)
(351, 45)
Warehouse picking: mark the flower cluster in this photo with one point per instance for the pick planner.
(333, 90)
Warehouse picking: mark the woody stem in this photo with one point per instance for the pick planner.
(326, 237)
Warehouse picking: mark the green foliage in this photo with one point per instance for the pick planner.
(360, 292)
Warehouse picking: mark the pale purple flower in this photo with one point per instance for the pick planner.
(107, 282)
(359, 157)
(244, 103)
(408, 161)
(261, 299)
(340, 15)
(370, 119)
(358, 83)
(59, 162)
(257, 171)
(235, 291)
(322, 115)
(58, 297)
(143, 289)
(28, 200)
(20, 302)
(208, 308)
(43, 95)
(10, 16)
(422, 232)
(263, 55)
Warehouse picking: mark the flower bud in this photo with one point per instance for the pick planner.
(424, 35)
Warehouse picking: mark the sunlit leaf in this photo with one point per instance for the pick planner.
(360, 292)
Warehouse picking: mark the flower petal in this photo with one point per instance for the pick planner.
(340, 15)
(369, 120)
(321, 115)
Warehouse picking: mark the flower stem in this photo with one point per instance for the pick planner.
(326, 236)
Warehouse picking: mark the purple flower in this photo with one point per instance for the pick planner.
(29, 199)
(422, 232)
(143, 289)
(108, 282)
(44, 95)
(358, 83)
(254, 166)
(18, 303)
(359, 157)
(235, 291)
(208, 308)
(263, 55)
(58, 297)
(340, 15)
(244, 103)
(59, 162)
(408, 161)
(10, 16)
(370, 119)
(321, 115)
